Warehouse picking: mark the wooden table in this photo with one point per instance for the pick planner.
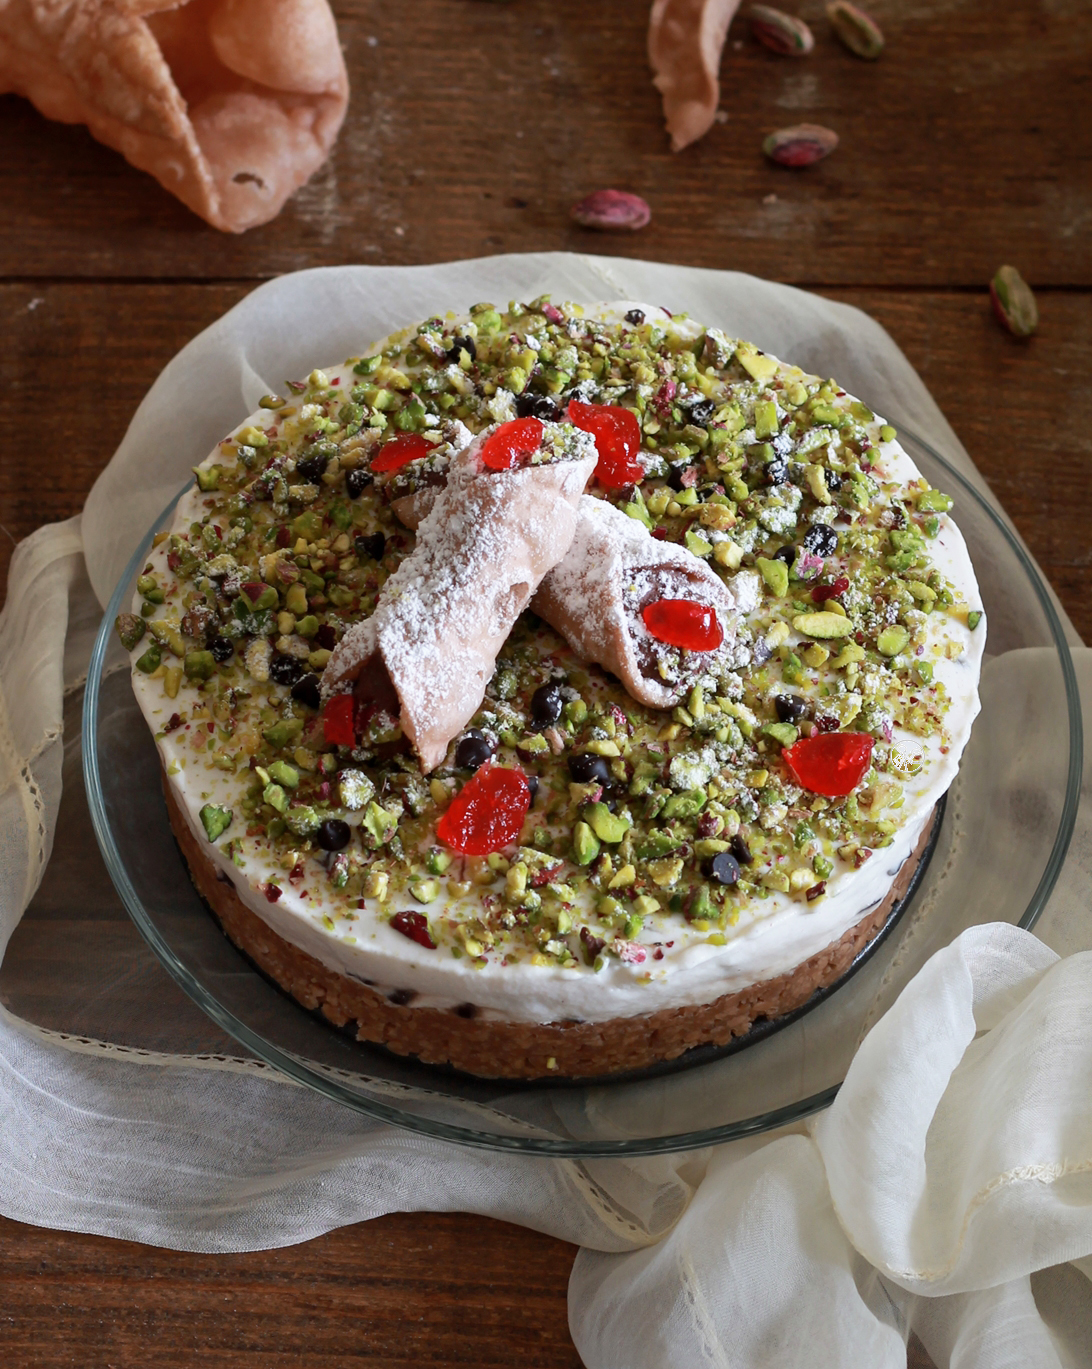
(471, 132)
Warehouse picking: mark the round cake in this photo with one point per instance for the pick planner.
(549, 691)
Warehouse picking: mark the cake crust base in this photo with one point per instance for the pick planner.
(523, 1050)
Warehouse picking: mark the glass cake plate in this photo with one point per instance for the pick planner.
(998, 851)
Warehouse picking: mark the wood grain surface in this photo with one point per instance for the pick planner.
(473, 127)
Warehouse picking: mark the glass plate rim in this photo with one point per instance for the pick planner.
(533, 1145)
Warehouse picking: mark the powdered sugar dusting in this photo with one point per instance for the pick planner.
(448, 609)
(613, 569)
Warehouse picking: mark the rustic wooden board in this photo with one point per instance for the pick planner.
(474, 127)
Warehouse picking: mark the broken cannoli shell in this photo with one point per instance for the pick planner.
(231, 104)
(445, 613)
(588, 598)
(685, 41)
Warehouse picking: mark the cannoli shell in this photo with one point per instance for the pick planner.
(445, 613)
(231, 104)
(685, 41)
(583, 597)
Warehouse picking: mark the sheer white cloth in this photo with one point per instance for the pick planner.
(947, 1190)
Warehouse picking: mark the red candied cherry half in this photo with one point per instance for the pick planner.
(337, 721)
(684, 623)
(832, 763)
(617, 436)
(400, 451)
(487, 812)
(511, 443)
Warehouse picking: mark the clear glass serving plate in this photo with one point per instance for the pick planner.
(1000, 846)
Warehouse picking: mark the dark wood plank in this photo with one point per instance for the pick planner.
(1022, 410)
(473, 128)
(408, 1289)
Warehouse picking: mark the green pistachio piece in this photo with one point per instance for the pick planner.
(354, 790)
(823, 625)
(933, 501)
(698, 545)
(974, 618)
(308, 626)
(283, 732)
(658, 843)
(757, 365)
(425, 890)
(295, 601)
(368, 365)
(275, 796)
(585, 844)
(686, 805)
(766, 418)
(208, 477)
(438, 861)
(130, 629)
(303, 820)
(607, 826)
(784, 733)
(151, 659)
(284, 774)
(199, 665)
(705, 847)
(380, 824)
(215, 820)
(823, 867)
(892, 640)
(856, 29)
(776, 575)
(1013, 302)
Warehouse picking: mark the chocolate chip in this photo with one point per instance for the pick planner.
(462, 344)
(821, 540)
(306, 691)
(790, 708)
(333, 835)
(635, 316)
(356, 482)
(222, 649)
(285, 670)
(473, 750)
(542, 407)
(740, 850)
(586, 767)
(724, 868)
(313, 468)
(372, 544)
(546, 706)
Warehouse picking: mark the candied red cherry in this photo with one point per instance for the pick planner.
(617, 436)
(511, 443)
(684, 623)
(400, 451)
(831, 763)
(487, 812)
(337, 721)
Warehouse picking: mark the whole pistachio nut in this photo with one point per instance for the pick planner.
(1013, 302)
(800, 145)
(856, 29)
(611, 210)
(780, 32)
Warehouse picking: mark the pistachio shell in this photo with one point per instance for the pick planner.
(610, 210)
(800, 145)
(780, 32)
(1013, 302)
(857, 30)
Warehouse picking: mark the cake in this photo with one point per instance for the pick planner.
(546, 692)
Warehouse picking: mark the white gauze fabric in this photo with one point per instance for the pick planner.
(947, 1190)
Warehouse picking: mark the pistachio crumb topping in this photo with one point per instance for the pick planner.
(641, 821)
